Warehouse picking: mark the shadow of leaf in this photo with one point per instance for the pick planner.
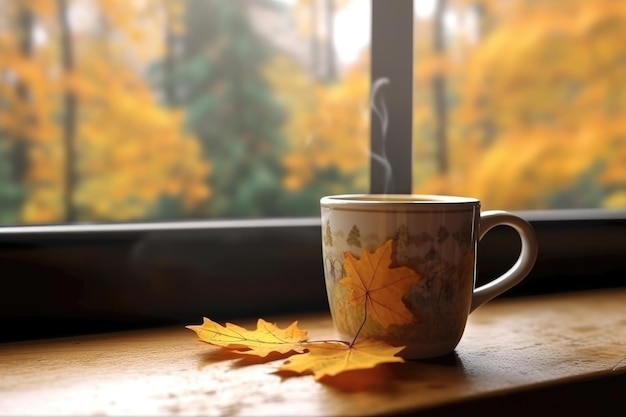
(380, 378)
(216, 355)
(245, 360)
(239, 359)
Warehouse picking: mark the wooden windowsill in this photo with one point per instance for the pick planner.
(563, 354)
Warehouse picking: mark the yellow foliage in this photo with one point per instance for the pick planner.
(129, 150)
(332, 358)
(540, 103)
(328, 125)
(45, 205)
(323, 358)
(46, 8)
(266, 339)
(615, 200)
(430, 66)
(133, 151)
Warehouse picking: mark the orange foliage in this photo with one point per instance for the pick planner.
(267, 337)
(329, 359)
(541, 100)
(536, 100)
(328, 127)
(130, 150)
(323, 358)
(133, 151)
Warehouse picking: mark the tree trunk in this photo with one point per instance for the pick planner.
(330, 62)
(439, 91)
(69, 114)
(484, 21)
(170, 58)
(20, 151)
(486, 124)
(315, 43)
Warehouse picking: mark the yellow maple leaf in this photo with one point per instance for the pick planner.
(267, 337)
(378, 287)
(332, 358)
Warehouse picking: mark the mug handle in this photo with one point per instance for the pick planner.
(525, 262)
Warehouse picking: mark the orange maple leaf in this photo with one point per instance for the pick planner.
(378, 287)
(267, 337)
(332, 358)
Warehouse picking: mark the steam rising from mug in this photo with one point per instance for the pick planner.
(380, 110)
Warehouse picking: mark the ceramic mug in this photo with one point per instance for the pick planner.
(403, 267)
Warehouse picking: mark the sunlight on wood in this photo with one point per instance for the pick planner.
(511, 345)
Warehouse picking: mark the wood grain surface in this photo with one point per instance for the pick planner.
(511, 347)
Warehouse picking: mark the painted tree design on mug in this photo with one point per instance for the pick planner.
(354, 237)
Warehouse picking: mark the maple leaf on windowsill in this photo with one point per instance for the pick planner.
(332, 358)
(321, 358)
(267, 337)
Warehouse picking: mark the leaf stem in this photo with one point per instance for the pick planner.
(356, 336)
(308, 342)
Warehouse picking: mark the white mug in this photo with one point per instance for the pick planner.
(403, 267)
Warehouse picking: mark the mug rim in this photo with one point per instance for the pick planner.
(378, 200)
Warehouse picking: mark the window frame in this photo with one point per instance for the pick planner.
(95, 277)
(85, 278)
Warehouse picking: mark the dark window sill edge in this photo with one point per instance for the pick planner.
(585, 396)
(141, 274)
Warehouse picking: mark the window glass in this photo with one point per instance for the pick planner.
(521, 103)
(118, 110)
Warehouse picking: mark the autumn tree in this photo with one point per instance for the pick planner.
(12, 144)
(27, 110)
(99, 146)
(316, 24)
(328, 126)
(440, 98)
(328, 132)
(68, 111)
(536, 119)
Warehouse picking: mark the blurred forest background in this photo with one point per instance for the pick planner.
(126, 110)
